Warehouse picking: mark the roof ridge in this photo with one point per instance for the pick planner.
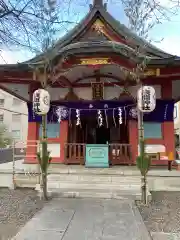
(98, 3)
(122, 30)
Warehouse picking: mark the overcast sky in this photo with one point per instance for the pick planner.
(165, 36)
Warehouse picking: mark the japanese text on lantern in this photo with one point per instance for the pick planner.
(36, 103)
(97, 91)
(146, 99)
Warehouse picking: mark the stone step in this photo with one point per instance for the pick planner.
(96, 182)
(60, 185)
(70, 193)
(27, 181)
(76, 169)
(101, 193)
(94, 178)
(94, 193)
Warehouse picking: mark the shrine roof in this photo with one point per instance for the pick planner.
(98, 11)
(70, 45)
(88, 48)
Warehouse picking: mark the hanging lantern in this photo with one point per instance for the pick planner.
(41, 102)
(146, 99)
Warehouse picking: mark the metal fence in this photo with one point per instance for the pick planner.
(13, 172)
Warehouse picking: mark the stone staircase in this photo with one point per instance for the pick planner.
(94, 185)
(78, 181)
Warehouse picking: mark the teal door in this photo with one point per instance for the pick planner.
(97, 155)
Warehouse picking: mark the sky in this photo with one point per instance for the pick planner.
(165, 36)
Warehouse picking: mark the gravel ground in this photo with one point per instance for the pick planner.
(16, 208)
(163, 214)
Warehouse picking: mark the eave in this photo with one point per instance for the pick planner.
(119, 54)
(171, 61)
(97, 12)
(13, 93)
(15, 67)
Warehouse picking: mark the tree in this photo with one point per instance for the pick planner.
(143, 162)
(23, 23)
(33, 25)
(45, 33)
(142, 17)
(44, 160)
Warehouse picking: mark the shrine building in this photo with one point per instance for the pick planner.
(93, 116)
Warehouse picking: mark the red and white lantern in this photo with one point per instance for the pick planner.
(146, 99)
(41, 102)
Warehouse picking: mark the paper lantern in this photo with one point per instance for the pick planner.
(41, 102)
(146, 99)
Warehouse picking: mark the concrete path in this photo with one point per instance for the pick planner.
(86, 219)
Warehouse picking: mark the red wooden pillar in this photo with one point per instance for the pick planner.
(168, 130)
(31, 148)
(133, 139)
(32, 136)
(33, 129)
(168, 127)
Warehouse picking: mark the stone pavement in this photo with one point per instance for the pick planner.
(165, 236)
(86, 219)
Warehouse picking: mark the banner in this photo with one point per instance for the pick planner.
(162, 113)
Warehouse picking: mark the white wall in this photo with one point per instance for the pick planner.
(9, 109)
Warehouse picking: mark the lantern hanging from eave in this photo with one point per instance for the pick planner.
(146, 99)
(41, 102)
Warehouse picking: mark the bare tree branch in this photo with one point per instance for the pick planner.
(23, 23)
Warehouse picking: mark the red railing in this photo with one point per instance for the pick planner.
(75, 153)
(120, 154)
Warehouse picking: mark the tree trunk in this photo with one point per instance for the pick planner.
(44, 154)
(44, 185)
(144, 190)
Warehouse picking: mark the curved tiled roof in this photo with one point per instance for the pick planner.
(98, 11)
(66, 44)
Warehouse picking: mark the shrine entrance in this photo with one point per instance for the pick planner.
(89, 133)
(102, 135)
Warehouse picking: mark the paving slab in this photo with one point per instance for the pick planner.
(86, 219)
(165, 236)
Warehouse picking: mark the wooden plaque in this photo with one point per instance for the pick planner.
(97, 90)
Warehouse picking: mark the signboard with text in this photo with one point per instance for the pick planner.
(97, 90)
